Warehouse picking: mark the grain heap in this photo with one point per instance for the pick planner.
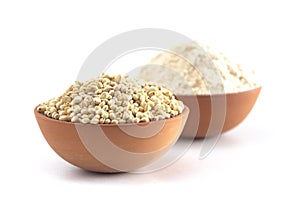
(112, 99)
(216, 73)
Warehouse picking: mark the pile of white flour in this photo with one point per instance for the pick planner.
(197, 71)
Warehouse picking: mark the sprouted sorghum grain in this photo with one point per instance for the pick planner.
(216, 73)
(112, 99)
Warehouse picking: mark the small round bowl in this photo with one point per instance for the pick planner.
(237, 107)
(111, 148)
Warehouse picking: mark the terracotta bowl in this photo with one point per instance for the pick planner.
(111, 148)
(223, 118)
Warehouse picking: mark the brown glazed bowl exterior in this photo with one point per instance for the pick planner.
(238, 106)
(84, 146)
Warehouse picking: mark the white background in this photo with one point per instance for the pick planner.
(42, 47)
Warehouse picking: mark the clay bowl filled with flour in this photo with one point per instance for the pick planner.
(219, 93)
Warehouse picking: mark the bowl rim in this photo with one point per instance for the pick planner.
(219, 94)
(42, 116)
